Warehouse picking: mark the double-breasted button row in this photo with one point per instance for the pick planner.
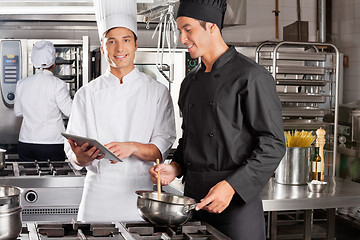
(211, 104)
(191, 135)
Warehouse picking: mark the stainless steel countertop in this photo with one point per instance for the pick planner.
(278, 197)
(338, 193)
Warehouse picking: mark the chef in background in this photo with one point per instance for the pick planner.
(42, 100)
(127, 111)
(233, 137)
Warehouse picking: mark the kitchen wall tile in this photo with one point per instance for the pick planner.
(356, 10)
(288, 13)
(351, 83)
(348, 40)
(312, 31)
(256, 12)
(260, 3)
(350, 96)
(346, 12)
(335, 27)
(353, 70)
(287, 3)
(353, 54)
(356, 25)
(346, 26)
(266, 13)
(308, 14)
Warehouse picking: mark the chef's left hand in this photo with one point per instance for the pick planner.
(218, 198)
(121, 149)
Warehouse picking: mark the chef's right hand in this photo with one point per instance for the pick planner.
(167, 173)
(84, 154)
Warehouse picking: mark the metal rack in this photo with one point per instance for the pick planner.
(72, 61)
(307, 81)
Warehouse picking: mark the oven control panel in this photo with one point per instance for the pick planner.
(10, 70)
(190, 62)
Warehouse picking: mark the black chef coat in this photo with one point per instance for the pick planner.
(232, 127)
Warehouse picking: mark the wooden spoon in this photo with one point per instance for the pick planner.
(158, 182)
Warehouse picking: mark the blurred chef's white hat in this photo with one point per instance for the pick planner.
(115, 13)
(43, 54)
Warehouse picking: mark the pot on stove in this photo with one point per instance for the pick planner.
(10, 212)
(170, 210)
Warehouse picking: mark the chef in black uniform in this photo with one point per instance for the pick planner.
(233, 137)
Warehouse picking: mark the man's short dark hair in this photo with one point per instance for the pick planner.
(203, 24)
(107, 31)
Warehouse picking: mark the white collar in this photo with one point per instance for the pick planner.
(133, 75)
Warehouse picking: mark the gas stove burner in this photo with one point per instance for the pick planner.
(78, 230)
(74, 230)
(195, 230)
(7, 171)
(45, 168)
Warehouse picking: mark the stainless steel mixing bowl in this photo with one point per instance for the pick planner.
(170, 210)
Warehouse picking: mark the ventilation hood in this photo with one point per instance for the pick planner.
(83, 10)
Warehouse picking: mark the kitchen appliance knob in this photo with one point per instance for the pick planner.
(11, 96)
(31, 196)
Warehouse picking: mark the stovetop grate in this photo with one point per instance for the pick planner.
(195, 230)
(73, 230)
(40, 168)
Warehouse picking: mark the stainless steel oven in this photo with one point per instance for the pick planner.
(72, 58)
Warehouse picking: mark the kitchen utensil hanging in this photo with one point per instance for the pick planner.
(167, 38)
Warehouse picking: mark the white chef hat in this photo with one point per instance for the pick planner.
(43, 54)
(115, 13)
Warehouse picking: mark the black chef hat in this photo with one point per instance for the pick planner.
(206, 10)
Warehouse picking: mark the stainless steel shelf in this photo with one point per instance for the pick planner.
(305, 124)
(302, 97)
(303, 112)
(300, 82)
(301, 70)
(295, 56)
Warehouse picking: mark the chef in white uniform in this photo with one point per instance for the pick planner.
(127, 111)
(41, 100)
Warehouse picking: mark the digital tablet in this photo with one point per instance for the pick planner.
(103, 150)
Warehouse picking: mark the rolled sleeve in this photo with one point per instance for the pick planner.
(164, 133)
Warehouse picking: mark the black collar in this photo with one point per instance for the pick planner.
(222, 60)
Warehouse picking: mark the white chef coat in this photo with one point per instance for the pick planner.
(41, 99)
(140, 110)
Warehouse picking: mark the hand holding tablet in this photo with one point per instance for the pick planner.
(93, 142)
